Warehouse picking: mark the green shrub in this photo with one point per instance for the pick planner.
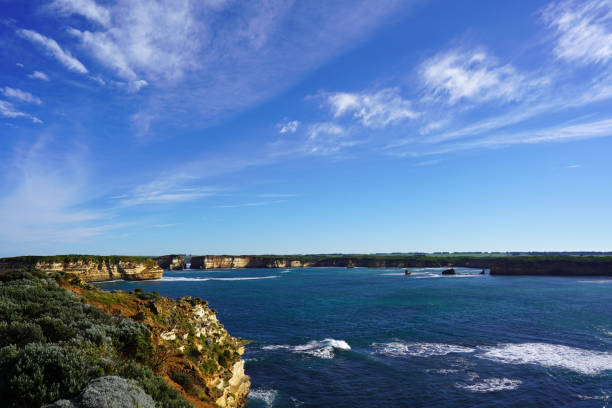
(20, 334)
(184, 380)
(164, 395)
(41, 373)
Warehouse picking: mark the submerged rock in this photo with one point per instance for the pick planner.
(450, 271)
(108, 392)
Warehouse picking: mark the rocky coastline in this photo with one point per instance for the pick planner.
(560, 265)
(90, 268)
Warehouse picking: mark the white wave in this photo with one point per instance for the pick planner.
(186, 279)
(394, 274)
(583, 361)
(596, 281)
(401, 349)
(443, 371)
(491, 385)
(286, 271)
(266, 395)
(322, 349)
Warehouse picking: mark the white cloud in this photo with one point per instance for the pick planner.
(165, 191)
(326, 138)
(216, 57)
(253, 204)
(583, 30)
(53, 49)
(86, 8)
(39, 75)
(566, 133)
(376, 110)
(473, 75)
(158, 40)
(8, 110)
(288, 126)
(19, 95)
(43, 197)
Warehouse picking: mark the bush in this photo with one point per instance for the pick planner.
(40, 373)
(20, 334)
(164, 395)
(183, 379)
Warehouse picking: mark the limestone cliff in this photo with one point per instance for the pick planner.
(90, 268)
(559, 265)
(231, 261)
(192, 349)
(172, 262)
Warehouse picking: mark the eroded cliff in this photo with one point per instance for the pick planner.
(90, 268)
(172, 262)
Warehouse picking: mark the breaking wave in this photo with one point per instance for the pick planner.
(322, 349)
(401, 349)
(583, 361)
(185, 279)
(491, 385)
(262, 394)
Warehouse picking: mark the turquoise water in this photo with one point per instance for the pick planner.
(335, 337)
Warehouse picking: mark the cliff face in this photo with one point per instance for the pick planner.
(91, 269)
(499, 265)
(172, 262)
(226, 262)
(192, 349)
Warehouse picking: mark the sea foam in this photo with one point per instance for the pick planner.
(266, 395)
(322, 349)
(186, 279)
(583, 361)
(491, 385)
(401, 349)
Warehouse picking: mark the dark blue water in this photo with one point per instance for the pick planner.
(363, 337)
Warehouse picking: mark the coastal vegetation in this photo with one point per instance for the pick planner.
(57, 333)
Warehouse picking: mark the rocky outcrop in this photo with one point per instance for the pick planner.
(450, 271)
(194, 352)
(107, 392)
(90, 268)
(172, 262)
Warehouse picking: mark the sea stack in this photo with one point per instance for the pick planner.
(450, 271)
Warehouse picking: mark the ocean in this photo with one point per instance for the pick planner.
(336, 337)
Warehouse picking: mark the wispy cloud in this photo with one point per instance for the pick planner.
(39, 75)
(86, 8)
(25, 211)
(252, 204)
(53, 49)
(288, 126)
(163, 225)
(8, 110)
(472, 76)
(583, 30)
(277, 195)
(19, 95)
(165, 192)
(573, 166)
(214, 57)
(377, 109)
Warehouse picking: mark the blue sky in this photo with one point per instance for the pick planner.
(218, 126)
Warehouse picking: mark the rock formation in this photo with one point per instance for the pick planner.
(90, 268)
(450, 271)
(172, 262)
